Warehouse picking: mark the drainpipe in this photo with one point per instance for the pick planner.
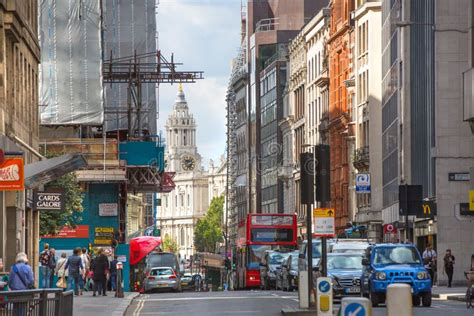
(24, 144)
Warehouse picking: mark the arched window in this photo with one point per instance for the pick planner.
(182, 237)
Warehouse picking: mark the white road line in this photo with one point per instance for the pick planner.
(206, 298)
(141, 304)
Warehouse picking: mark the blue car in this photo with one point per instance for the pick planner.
(395, 263)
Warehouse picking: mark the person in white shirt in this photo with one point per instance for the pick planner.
(86, 264)
(429, 260)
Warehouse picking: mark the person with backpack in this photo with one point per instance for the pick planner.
(45, 267)
(75, 268)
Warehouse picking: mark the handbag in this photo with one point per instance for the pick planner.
(61, 283)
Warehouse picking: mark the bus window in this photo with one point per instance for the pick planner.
(272, 234)
(255, 255)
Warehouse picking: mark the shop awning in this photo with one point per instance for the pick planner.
(42, 172)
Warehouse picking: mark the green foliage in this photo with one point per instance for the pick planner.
(169, 244)
(208, 230)
(52, 221)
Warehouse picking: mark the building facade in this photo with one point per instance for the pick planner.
(181, 208)
(367, 157)
(19, 123)
(340, 107)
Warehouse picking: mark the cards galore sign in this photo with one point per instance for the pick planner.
(48, 201)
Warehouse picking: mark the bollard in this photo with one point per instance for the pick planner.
(399, 300)
(119, 291)
(324, 296)
(356, 306)
(303, 288)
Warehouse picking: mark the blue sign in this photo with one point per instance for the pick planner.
(363, 183)
(324, 286)
(355, 309)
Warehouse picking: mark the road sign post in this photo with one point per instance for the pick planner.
(324, 298)
(356, 306)
(324, 227)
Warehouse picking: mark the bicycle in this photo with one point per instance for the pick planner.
(470, 289)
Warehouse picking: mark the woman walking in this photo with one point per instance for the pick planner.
(100, 267)
(61, 271)
(75, 268)
(449, 265)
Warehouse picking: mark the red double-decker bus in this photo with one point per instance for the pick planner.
(262, 232)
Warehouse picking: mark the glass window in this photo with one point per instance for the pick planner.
(345, 262)
(255, 255)
(396, 255)
(158, 272)
(272, 234)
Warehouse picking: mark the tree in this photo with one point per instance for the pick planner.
(52, 221)
(208, 231)
(169, 244)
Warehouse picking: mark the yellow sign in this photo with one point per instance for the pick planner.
(102, 241)
(426, 209)
(104, 229)
(471, 200)
(324, 212)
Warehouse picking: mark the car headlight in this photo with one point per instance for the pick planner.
(422, 275)
(380, 275)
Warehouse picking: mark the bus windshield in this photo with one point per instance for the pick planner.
(162, 260)
(255, 255)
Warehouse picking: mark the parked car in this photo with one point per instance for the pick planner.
(386, 264)
(162, 259)
(287, 278)
(187, 282)
(269, 266)
(348, 245)
(345, 270)
(162, 278)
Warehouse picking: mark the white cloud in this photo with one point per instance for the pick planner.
(204, 35)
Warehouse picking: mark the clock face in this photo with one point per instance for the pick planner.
(188, 163)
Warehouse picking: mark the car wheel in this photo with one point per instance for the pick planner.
(426, 299)
(374, 299)
(416, 300)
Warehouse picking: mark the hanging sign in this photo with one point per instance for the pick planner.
(48, 201)
(12, 175)
(108, 209)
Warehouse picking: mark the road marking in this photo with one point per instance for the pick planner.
(207, 298)
(138, 309)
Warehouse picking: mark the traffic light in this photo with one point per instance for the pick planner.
(156, 232)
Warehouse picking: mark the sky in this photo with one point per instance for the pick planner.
(203, 35)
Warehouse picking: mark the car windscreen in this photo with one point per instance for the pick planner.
(277, 258)
(395, 255)
(345, 262)
(161, 260)
(158, 272)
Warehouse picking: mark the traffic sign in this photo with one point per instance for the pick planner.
(389, 229)
(356, 306)
(324, 286)
(323, 222)
(362, 183)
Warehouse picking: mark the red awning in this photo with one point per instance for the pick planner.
(140, 247)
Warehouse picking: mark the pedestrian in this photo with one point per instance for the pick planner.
(113, 274)
(449, 265)
(86, 264)
(100, 267)
(429, 261)
(61, 271)
(45, 270)
(52, 267)
(75, 269)
(21, 275)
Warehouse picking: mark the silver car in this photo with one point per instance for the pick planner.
(162, 278)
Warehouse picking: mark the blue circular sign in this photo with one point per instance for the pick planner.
(324, 286)
(355, 309)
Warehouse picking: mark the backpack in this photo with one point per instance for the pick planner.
(45, 258)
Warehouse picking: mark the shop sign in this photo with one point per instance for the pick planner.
(48, 201)
(103, 235)
(108, 209)
(12, 176)
(80, 231)
(363, 183)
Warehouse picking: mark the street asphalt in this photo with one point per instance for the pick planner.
(254, 303)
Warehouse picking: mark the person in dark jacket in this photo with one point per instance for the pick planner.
(75, 268)
(113, 274)
(100, 267)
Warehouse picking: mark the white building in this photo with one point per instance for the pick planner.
(189, 201)
(367, 158)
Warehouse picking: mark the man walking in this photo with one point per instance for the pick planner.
(113, 274)
(86, 264)
(429, 260)
(75, 268)
(45, 270)
(52, 267)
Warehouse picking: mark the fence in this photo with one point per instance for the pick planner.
(43, 302)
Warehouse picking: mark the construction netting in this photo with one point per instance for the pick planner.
(71, 57)
(129, 28)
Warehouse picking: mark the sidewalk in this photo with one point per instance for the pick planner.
(87, 305)
(449, 293)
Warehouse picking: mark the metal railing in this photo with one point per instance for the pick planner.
(42, 302)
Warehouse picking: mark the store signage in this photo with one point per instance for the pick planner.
(389, 229)
(108, 209)
(80, 231)
(323, 222)
(465, 210)
(103, 235)
(12, 175)
(459, 176)
(471, 200)
(428, 210)
(362, 183)
(48, 201)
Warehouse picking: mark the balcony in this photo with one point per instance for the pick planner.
(322, 80)
(361, 158)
